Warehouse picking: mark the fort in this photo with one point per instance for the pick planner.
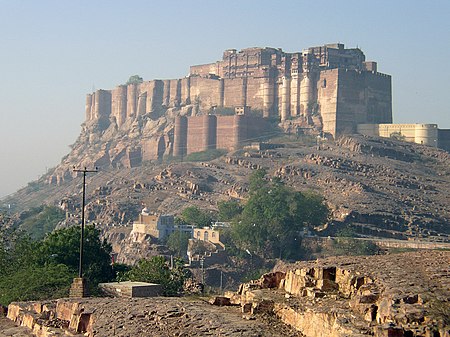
(241, 99)
(329, 87)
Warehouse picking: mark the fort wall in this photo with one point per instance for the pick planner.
(327, 86)
(426, 134)
(444, 139)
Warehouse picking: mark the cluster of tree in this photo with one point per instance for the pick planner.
(134, 79)
(271, 222)
(44, 269)
(158, 270)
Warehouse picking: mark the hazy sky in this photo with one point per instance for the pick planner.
(52, 53)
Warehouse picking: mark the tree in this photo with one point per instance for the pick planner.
(156, 270)
(194, 216)
(273, 217)
(177, 242)
(32, 270)
(134, 79)
(228, 210)
(62, 246)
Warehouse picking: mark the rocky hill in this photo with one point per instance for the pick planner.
(383, 187)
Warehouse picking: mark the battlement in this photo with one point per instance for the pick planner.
(302, 85)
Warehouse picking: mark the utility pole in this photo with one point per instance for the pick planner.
(78, 286)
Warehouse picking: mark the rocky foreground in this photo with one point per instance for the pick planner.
(401, 295)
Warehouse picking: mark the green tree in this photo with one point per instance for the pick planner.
(177, 242)
(157, 270)
(62, 247)
(228, 210)
(32, 270)
(273, 217)
(22, 277)
(194, 216)
(135, 79)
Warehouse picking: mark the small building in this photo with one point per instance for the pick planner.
(158, 226)
(208, 234)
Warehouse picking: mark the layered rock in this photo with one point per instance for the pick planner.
(399, 295)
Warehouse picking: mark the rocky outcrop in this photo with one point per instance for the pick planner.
(158, 317)
(399, 295)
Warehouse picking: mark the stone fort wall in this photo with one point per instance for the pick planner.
(330, 82)
(207, 132)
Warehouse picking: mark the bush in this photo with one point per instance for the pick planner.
(156, 270)
(207, 155)
(196, 217)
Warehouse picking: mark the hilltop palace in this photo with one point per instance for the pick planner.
(328, 89)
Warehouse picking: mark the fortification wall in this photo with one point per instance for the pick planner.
(204, 69)
(119, 104)
(234, 93)
(426, 134)
(444, 139)
(226, 135)
(327, 89)
(378, 97)
(180, 136)
(205, 92)
(154, 148)
(362, 96)
(201, 133)
(329, 80)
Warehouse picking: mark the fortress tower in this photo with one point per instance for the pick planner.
(329, 87)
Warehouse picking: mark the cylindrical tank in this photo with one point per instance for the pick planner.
(180, 136)
(426, 134)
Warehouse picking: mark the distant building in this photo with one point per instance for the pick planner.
(209, 235)
(426, 134)
(158, 226)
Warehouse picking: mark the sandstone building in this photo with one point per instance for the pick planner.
(328, 87)
(158, 226)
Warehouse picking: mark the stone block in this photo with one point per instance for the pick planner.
(131, 289)
(78, 288)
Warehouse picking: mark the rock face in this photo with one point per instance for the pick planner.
(382, 187)
(158, 317)
(396, 295)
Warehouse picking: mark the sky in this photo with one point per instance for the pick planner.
(54, 52)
